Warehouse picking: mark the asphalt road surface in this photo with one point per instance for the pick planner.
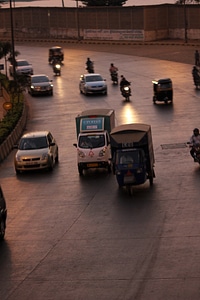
(72, 238)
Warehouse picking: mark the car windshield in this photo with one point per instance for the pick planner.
(93, 78)
(129, 157)
(33, 143)
(39, 79)
(22, 63)
(91, 141)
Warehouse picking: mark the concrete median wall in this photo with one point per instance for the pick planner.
(154, 22)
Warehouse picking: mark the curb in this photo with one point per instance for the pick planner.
(193, 43)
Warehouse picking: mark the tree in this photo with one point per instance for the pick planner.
(103, 2)
(17, 86)
(6, 52)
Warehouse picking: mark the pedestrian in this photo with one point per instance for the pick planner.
(196, 56)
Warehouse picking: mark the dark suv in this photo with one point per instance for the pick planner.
(3, 215)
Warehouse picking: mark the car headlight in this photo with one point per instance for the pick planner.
(18, 158)
(81, 154)
(102, 152)
(45, 156)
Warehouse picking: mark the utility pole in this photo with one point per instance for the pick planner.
(77, 16)
(12, 41)
(185, 22)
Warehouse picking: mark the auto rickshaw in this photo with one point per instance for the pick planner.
(56, 54)
(163, 90)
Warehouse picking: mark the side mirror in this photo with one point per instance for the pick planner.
(75, 145)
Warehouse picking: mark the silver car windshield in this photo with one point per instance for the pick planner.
(93, 78)
(22, 63)
(33, 143)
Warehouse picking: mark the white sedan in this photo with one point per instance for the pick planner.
(92, 84)
(22, 67)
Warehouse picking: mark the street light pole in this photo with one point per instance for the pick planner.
(185, 21)
(77, 16)
(12, 41)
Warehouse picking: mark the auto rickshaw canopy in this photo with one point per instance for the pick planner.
(162, 84)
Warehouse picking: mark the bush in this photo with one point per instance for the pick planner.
(8, 123)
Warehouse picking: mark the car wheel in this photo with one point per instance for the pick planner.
(50, 164)
(2, 229)
(17, 172)
(56, 158)
(109, 168)
(80, 170)
(51, 93)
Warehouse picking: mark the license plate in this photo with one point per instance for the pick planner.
(129, 179)
(92, 165)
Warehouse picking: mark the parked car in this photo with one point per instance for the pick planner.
(36, 150)
(92, 84)
(3, 214)
(22, 67)
(40, 84)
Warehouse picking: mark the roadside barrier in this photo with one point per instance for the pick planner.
(7, 146)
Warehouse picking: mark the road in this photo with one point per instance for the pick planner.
(71, 237)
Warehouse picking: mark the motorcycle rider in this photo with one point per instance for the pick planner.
(113, 69)
(195, 74)
(56, 66)
(194, 141)
(113, 73)
(89, 66)
(124, 82)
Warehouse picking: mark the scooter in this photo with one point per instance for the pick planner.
(90, 67)
(197, 153)
(126, 92)
(114, 77)
(57, 68)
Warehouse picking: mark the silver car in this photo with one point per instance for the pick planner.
(22, 67)
(36, 150)
(92, 84)
(40, 84)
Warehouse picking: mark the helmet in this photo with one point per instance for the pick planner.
(196, 130)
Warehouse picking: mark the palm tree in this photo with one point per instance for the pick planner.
(6, 53)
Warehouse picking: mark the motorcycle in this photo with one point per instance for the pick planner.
(90, 67)
(196, 149)
(57, 68)
(114, 77)
(126, 92)
(196, 77)
(196, 152)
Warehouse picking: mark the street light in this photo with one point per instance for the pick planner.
(77, 16)
(185, 21)
(12, 41)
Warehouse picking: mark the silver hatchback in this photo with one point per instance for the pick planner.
(36, 150)
(92, 84)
